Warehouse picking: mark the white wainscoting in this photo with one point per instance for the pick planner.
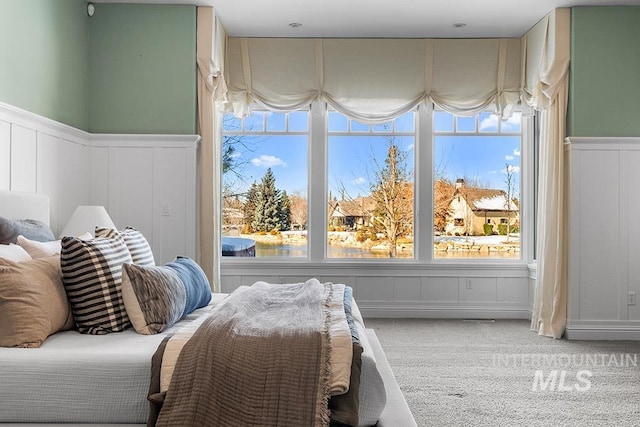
(39, 155)
(144, 181)
(604, 237)
(407, 289)
(149, 182)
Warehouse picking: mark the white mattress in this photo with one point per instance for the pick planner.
(76, 378)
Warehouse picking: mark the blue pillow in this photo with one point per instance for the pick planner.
(156, 297)
(194, 281)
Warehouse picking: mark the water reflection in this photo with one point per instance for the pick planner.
(297, 251)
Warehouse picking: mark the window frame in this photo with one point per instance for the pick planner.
(318, 192)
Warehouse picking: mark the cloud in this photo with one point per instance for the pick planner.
(359, 180)
(490, 122)
(512, 124)
(494, 171)
(409, 147)
(508, 157)
(516, 152)
(267, 161)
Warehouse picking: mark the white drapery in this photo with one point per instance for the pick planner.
(374, 80)
(211, 39)
(546, 80)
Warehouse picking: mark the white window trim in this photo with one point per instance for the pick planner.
(423, 208)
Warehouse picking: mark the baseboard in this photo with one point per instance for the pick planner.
(443, 312)
(614, 331)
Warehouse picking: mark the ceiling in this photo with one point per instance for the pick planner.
(382, 18)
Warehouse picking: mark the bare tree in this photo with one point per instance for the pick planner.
(298, 208)
(393, 195)
(443, 191)
(509, 181)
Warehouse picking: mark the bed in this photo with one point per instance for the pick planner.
(84, 379)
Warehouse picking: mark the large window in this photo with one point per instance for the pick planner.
(476, 186)
(318, 185)
(370, 176)
(264, 184)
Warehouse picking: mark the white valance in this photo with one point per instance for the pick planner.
(546, 55)
(210, 52)
(374, 80)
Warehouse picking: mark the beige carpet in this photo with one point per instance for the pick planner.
(479, 373)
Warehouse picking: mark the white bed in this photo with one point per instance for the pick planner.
(104, 380)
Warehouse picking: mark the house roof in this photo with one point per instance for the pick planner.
(358, 207)
(485, 199)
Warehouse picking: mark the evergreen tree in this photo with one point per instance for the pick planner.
(250, 207)
(267, 210)
(285, 211)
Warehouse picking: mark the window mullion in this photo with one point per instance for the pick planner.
(423, 223)
(318, 195)
(527, 211)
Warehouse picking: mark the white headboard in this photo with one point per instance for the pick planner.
(19, 205)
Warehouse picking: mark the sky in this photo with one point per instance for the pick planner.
(351, 158)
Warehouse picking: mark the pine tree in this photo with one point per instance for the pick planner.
(285, 211)
(250, 207)
(267, 210)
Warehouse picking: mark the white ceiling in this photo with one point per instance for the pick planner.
(381, 18)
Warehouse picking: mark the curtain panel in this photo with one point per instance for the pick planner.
(212, 89)
(546, 54)
(374, 80)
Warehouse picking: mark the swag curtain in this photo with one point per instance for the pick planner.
(210, 40)
(374, 80)
(546, 81)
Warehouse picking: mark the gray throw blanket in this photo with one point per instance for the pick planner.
(261, 359)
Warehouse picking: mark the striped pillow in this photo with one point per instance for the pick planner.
(136, 243)
(92, 277)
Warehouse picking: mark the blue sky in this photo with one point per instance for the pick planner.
(350, 158)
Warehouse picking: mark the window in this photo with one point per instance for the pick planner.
(318, 185)
(264, 183)
(476, 186)
(370, 180)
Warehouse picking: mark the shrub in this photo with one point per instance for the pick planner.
(502, 229)
(488, 229)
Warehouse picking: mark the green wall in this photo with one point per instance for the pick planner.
(143, 69)
(127, 69)
(44, 66)
(604, 90)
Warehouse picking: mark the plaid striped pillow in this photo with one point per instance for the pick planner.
(92, 278)
(136, 243)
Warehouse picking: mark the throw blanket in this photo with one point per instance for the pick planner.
(228, 373)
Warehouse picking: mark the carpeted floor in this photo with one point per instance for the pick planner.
(483, 373)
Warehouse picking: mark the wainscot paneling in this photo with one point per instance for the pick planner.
(39, 155)
(145, 181)
(407, 290)
(604, 236)
(149, 182)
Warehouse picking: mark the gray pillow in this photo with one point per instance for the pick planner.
(32, 229)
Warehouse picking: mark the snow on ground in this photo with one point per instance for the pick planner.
(480, 240)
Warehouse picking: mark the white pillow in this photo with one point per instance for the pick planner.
(14, 253)
(45, 249)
